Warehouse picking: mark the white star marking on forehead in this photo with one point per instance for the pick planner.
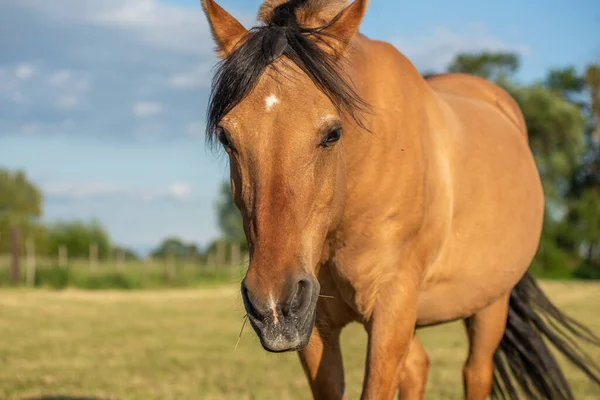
(271, 101)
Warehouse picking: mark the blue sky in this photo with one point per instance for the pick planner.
(102, 102)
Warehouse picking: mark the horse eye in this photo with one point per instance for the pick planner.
(333, 136)
(222, 136)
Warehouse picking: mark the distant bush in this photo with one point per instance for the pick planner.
(587, 271)
(553, 274)
(130, 277)
(53, 277)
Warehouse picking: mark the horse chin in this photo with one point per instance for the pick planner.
(286, 335)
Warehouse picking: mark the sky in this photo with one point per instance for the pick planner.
(102, 102)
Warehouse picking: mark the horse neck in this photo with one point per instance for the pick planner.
(398, 141)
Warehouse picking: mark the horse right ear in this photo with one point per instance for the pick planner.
(226, 30)
(345, 26)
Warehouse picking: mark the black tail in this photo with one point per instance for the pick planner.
(524, 366)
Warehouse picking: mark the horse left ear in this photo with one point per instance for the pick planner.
(345, 26)
(226, 30)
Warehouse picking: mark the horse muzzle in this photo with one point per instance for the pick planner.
(284, 325)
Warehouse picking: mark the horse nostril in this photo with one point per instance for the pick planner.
(300, 296)
(250, 308)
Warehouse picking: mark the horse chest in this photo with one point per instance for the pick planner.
(358, 276)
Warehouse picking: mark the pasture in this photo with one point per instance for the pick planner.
(179, 344)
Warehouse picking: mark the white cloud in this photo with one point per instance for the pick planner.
(82, 190)
(25, 72)
(67, 102)
(31, 128)
(18, 97)
(195, 129)
(145, 13)
(66, 124)
(35, 126)
(146, 108)
(67, 79)
(181, 29)
(160, 25)
(156, 23)
(61, 92)
(148, 57)
(199, 77)
(434, 52)
(178, 191)
(7, 82)
(81, 85)
(60, 78)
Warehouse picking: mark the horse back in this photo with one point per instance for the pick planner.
(477, 88)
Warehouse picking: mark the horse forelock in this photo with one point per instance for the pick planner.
(309, 13)
(285, 35)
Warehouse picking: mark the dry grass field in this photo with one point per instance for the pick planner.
(179, 344)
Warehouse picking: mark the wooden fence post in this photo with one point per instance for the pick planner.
(235, 259)
(63, 256)
(93, 255)
(170, 266)
(30, 256)
(15, 270)
(120, 259)
(210, 263)
(220, 261)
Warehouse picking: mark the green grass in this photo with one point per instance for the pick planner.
(179, 344)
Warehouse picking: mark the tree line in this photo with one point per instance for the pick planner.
(21, 206)
(21, 209)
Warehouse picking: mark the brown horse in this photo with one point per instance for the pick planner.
(408, 202)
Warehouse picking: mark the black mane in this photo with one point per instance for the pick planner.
(239, 73)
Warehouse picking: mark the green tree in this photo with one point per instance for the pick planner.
(128, 254)
(177, 248)
(556, 135)
(77, 236)
(583, 221)
(592, 81)
(493, 66)
(20, 205)
(19, 198)
(566, 82)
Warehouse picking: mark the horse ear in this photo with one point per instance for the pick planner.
(226, 30)
(345, 26)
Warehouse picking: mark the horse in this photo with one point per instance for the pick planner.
(370, 194)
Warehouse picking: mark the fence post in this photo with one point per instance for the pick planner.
(120, 257)
(210, 263)
(220, 261)
(93, 255)
(30, 256)
(235, 259)
(170, 266)
(63, 256)
(15, 270)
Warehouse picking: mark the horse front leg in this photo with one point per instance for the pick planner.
(322, 363)
(390, 329)
(413, 378)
